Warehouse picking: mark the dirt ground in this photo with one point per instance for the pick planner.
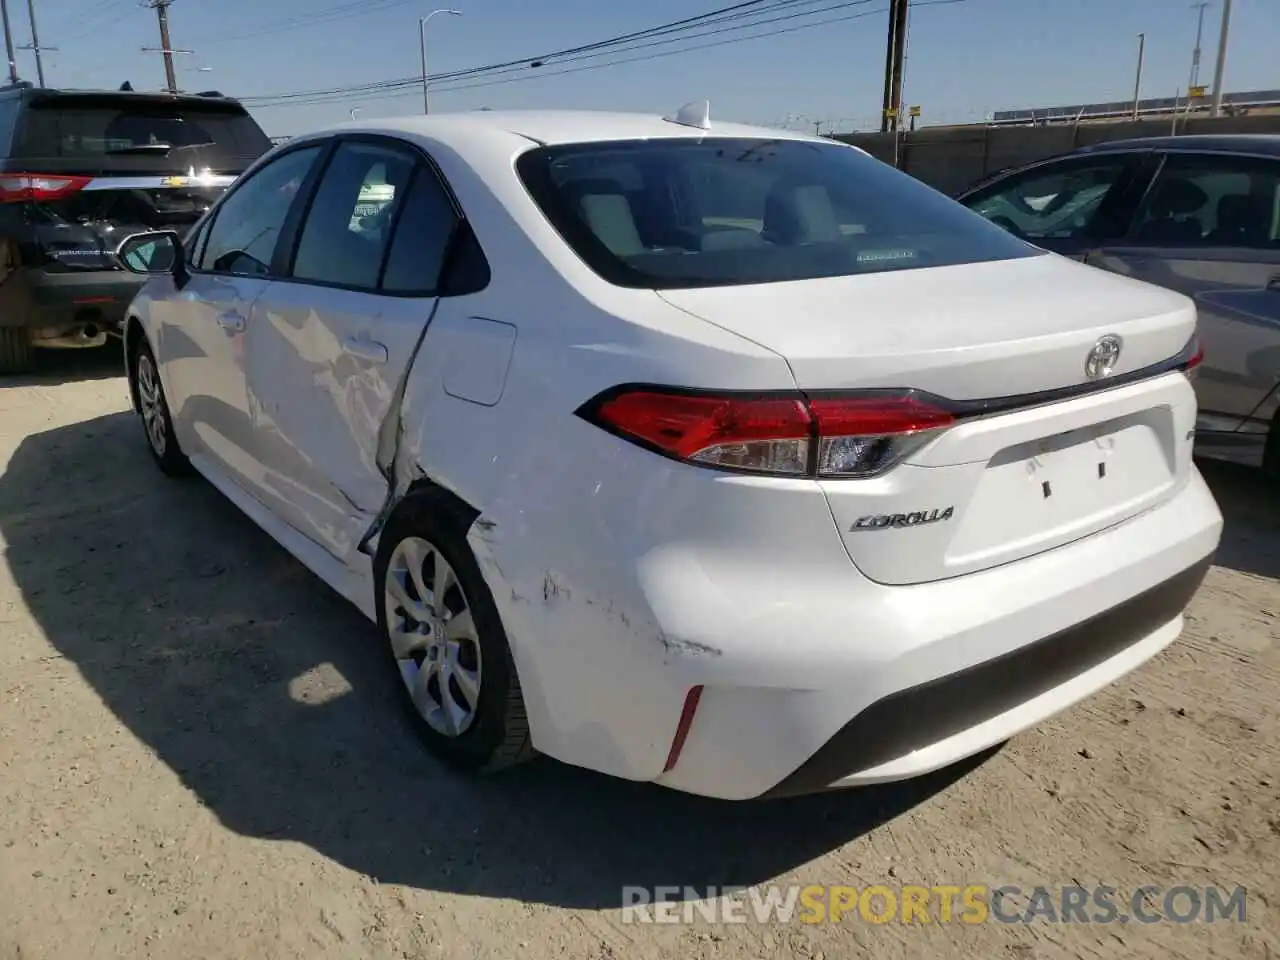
(200, 758)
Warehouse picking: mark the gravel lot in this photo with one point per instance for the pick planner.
(199, 757)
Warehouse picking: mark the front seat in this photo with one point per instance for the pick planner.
(1171, 213)
(798, 213)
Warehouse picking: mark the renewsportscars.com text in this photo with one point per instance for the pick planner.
(941, 903)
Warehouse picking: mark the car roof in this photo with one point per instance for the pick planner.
(557, 127)
(1266, 144)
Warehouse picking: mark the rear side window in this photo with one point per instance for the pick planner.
(1213, 201)
(692, 213)
(9, 107)
(220, 136)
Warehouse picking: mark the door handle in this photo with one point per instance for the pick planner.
(231, 321)
(368, 350)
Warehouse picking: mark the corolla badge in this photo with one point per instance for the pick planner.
(1103, 358)
(888, 521)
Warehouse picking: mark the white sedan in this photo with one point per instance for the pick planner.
(724, 458)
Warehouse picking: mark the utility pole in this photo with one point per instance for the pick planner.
(1221, 66)
(8, 41)
(1195, 53)
(890, 46)
(1137, 82)
(899, 58)
(161, 7)
(34, 45)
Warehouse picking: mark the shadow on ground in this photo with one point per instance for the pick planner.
(264, 691)
(65, 366)
(1250, 504)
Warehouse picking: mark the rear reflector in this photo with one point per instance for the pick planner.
(682, 728)
(1195, 357)
(850, 436)
(20, 187)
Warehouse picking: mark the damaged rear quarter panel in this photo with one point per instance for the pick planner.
(565, 518)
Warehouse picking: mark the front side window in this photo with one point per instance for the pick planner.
(1213, 201)
(247, 225)
(348, 228)
(717, 211)
(1060, 201)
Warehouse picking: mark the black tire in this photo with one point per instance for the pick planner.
(16, 353)
(164, 450)
(498, 735)
(1271, 452)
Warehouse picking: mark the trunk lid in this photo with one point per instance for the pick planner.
(994, 487)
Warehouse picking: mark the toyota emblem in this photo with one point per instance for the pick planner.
(1103, 358)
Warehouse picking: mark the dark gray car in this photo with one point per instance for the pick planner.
(1197, 214)
(81, 170)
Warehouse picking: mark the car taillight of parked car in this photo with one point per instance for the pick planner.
(23, 187)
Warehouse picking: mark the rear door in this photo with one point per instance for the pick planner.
(201, 328)
(1065, 205)
(332, 341)
(1210, 228)
(89, 169)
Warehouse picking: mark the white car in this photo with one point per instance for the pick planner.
(724, 458)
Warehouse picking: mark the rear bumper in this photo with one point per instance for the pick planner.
(894, 735)
(812, 675)
(907, 680)
(40, 299)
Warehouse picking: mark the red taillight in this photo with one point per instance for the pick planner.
(747, 433)
(854, 436)
(19, 187)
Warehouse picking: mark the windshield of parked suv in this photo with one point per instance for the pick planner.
(178, 134)
(689, 213)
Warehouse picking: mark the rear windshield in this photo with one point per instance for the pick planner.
(218, 136)
(692, 213)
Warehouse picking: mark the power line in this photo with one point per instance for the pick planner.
(91, 24)
(539, 62)
(723, 13)
(343, 11)
(395, 88)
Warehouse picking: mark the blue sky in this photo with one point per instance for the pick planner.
(965, 58)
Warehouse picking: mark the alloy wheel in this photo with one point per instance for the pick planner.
(151, 405)
(433, 636)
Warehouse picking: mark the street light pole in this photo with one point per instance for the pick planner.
(1195, 52)
(422, 48)
(1137, 82)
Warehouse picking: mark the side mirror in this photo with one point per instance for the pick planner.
(152, 253)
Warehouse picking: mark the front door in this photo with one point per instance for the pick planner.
(332, 341)
(203, 328)
(1210, 228)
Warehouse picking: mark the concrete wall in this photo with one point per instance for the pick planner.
(952, 158)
